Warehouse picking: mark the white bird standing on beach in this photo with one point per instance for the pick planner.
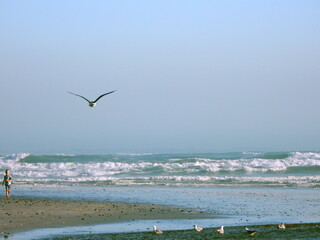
(281, 226)
(220, 230)
(251, 232)
(198, 229)
(92, 103)
(157, 231)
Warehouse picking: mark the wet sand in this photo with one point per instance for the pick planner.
(266, 232)
(22, 214)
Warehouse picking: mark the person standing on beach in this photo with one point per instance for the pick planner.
(7, 180)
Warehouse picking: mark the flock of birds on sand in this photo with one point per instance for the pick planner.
(220, 230)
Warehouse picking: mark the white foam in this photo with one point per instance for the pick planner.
(16, 156)
(305, 155)
(252, 153)
(112, 168)
(298, 181)
(135, 154)
(65, 155)
(171, 171)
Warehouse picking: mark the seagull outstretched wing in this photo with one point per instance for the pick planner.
(101, 96)
(80, 96)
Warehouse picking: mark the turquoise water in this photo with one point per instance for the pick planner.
(282, 169)
(244, 188)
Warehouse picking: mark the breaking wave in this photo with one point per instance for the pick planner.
(294, 169)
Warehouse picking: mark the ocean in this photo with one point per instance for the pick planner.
(239, 188)
(259, 169)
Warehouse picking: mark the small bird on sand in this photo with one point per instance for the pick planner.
(220, 230)
(281, 226)
(198, 229)
(251, 232)
(92, 103)
(157, 231)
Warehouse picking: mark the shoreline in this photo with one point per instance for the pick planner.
(25, 213)
(267, 232)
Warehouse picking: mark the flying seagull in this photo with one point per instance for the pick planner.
(92, 103)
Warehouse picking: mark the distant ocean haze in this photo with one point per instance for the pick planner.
(272, 169)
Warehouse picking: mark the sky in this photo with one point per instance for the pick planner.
(191, 76)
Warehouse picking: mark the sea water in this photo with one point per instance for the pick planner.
(233, 188)
(254, 169)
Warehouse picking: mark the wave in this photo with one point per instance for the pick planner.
(184, 181)
(256, 168)
(135, 154)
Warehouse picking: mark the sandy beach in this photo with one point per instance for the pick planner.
(22, 214)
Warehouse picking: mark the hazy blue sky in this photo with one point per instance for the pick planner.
(192, 76)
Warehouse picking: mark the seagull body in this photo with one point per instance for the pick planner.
(92, 103)
(251, 232)
(198, 229)
(220, 230)
(157, 231)
(281, 226)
